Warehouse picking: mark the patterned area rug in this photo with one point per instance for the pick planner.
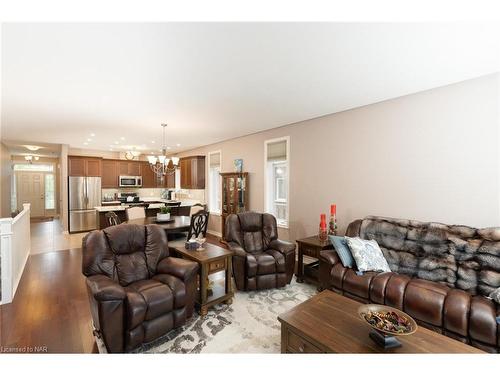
(249, 325)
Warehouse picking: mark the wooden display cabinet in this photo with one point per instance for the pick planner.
(234, 196)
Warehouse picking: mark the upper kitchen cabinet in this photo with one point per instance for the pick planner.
(170, 180)
(149, 179)
(129, 168)
(148, 176)
(192, 170)
(109, 174)
(84, 166)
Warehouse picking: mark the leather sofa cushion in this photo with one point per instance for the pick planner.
(253, 241)
(358, 285)
(157, 327)
(377, 287)
(177, 287)
(266, 264)
(456, 311)
(279, 259)
(395, 290)
(338, 273)
(156, 297)
(131, 267)
(424, 300)
(482, 323)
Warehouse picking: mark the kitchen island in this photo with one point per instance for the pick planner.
(151, 205)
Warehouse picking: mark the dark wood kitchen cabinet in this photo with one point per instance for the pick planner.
(129, 168)
(170, 180)
(81, 166)
(109, 174)
(149, 179)
(192, 171)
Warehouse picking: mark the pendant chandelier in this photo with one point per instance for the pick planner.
(162, 165)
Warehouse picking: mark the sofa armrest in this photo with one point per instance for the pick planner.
(180, 268)
(329, 256)
(103, 288)
(237, 249)
(283, 247)
(107, 306)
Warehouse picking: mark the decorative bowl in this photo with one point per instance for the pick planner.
(384, 336)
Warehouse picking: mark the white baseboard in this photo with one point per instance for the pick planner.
(214, 233)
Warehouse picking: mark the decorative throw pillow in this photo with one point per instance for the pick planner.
(495, 295)
(343, 251)
(367, 255)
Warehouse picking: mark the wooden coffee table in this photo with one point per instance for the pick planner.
(329, 323)
(211, 259)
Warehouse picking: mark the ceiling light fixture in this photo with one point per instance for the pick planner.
(92, 134)
(162, 165)
(130, 155)
(33, 148)
(29, 158)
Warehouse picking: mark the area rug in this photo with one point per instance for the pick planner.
(249, 325)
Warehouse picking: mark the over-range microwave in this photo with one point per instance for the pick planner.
(130, 181)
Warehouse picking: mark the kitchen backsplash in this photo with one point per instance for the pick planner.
(198, 194)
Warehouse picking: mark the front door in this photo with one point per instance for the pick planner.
(31, 189)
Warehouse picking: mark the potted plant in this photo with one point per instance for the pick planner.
(164, 214)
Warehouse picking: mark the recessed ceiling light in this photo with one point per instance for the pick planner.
(178, 145)
(116, 142)
(92, 134)
(89, 140)
(122, 138)
(85, 143)
(153, 142)
(168, 147)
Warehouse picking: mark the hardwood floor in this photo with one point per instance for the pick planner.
(50, 312)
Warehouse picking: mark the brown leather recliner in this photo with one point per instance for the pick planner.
(137, 291)
(261, 260)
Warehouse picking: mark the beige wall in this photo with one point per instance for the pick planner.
(5, 181)
(431, 156)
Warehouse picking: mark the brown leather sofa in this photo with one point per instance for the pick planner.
(443, 275)
(137, 291)
(260, 260)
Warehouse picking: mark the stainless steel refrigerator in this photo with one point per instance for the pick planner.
(84, 195)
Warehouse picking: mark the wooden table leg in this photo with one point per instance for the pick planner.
(203, 290)
(229, 284)
(300, 266)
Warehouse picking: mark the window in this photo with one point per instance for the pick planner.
(276, 156)
(50, 202)
(34, 167)
(214, 182)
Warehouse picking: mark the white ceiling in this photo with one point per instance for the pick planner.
(215, 81)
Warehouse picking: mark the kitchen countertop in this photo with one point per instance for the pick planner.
(119, 207)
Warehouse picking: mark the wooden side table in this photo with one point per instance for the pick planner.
(311, 247)
(211, 259)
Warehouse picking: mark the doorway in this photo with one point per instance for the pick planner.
(35, 184)
(31, 190)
